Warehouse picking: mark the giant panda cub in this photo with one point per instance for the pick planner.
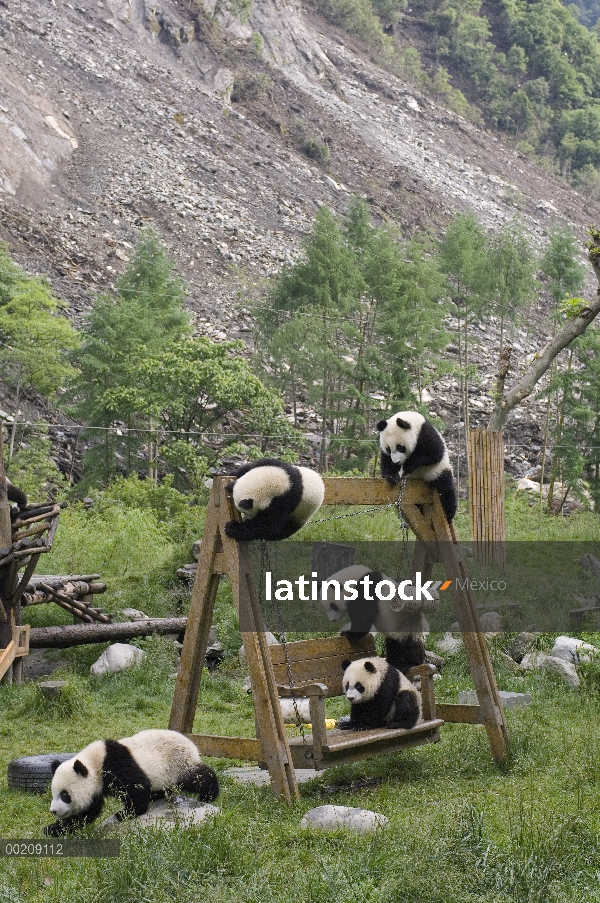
(379, 696)
(137, 769)
(411, 445)
(274, 498)
(403, 630)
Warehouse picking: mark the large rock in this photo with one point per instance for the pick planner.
(330, 818)
(117, 657)
(491, 622)
(572, 650)
(564, 669)
(449, 644)
(522, 644)
(178, 810)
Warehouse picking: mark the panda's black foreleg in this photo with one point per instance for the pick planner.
(447, 491)
(406, 713)
(265, 525)
(405, 653)
(68, 825)
(203, 781)
(389, 470)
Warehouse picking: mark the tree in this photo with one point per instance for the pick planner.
(35, 336)
(571, 329)
(144, 314)
(355, 322)
(511, 270)
(463, 259)
(205, 401)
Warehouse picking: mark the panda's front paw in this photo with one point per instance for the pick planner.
(344, 724)
(235, 530)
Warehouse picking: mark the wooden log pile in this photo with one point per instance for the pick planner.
(73, 592)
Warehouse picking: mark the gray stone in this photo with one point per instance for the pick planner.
(509, 700)
(491, 622)
(176, 810)
(259, 777)
(51, 689)
(133, 614)
(572, 650)
(509, 663)
(116, 658)
(331, 818)
(540, 660)
(223, 84)
(522, 644)
(449, 644)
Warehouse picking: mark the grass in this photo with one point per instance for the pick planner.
(461, 828)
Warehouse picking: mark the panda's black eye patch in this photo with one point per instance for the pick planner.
(334, 607)
(246, 504)
(359, 687)
(65, 797)
(389, 450)
(401, 448)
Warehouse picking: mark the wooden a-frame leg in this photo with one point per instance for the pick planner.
(269, 718)
(475, 645)
(202, 603)
(221, 555)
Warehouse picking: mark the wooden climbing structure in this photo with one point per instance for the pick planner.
(219, 555)
(21, 544)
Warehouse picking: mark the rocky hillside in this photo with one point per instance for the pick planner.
(228, 138)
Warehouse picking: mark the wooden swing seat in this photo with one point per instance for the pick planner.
(318, 666)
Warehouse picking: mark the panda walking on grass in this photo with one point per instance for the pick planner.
(136, 769)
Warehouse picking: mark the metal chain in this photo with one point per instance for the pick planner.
(265, 565)
(325, 520)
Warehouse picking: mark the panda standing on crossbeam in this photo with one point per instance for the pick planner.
(411, 446)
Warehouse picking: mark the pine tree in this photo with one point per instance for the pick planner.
(145, 312)
(35, 336)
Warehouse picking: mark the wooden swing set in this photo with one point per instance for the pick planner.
(316, 664)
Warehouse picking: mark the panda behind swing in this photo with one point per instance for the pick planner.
(411, 445)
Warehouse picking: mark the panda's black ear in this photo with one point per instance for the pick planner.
(54, 765)
(381, 425)
(79, 768)
(403, 424)
(345, 663)
(369, 666)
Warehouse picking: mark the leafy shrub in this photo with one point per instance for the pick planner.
(316, 150)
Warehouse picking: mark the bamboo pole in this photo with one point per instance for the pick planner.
(486, 499)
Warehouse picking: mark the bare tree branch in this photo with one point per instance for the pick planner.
(573, 328)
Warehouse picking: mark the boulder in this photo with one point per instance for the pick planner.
(491, 622)
(449, 644)
(522, 644)
(330, 818)
(117, 657)
(572, 650)
(178, 810)
(540, 660)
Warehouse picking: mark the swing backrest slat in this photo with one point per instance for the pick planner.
(318, 660)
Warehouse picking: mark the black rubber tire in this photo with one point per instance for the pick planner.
(34, 773)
